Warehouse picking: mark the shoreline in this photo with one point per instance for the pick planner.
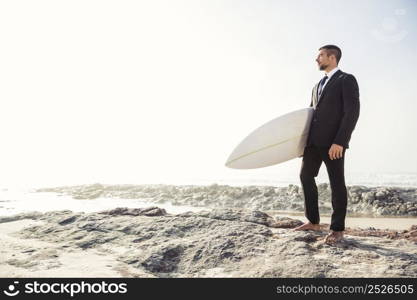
(362, 222)
(367, 207)
(371, 201)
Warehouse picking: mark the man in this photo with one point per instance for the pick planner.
(335, 100)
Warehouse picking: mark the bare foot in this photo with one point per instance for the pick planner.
(334, 237)
(307, 226)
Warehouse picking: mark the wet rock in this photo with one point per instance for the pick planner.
(68, 220)
(410, 234)
(148, 211)
(164, 260)
(252, 216)
(361, 199)
(283, 222)
(27, 215)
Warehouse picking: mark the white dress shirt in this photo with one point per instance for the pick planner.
(329, 75)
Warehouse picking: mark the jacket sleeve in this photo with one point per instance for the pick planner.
(351, 108)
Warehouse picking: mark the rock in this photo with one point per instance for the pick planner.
(239, 242)
(149, 211)
(252, 216)
(368, 197)
(164, 260)
(29, 215)
(283, 222)
(68, 220)
(361, 199)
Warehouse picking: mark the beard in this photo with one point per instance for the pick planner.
(323, 67)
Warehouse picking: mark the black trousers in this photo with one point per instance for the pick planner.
(312, 159)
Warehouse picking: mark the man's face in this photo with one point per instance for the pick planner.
(323, 60)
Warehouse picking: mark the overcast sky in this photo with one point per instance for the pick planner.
(126, 91)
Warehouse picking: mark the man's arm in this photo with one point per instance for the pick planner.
(351, 108)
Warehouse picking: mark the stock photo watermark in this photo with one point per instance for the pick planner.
(390, 30)
(71, 289)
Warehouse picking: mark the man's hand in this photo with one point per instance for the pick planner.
(335, 151)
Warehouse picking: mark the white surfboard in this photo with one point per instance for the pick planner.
(279, 140)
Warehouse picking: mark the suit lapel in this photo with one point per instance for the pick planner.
(327, 86)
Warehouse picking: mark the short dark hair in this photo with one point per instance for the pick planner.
(333, 49)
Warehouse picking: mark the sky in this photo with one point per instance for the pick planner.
(145, 91)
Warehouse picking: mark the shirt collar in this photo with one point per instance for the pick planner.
(330, 74)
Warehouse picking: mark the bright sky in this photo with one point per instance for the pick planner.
(132, 91)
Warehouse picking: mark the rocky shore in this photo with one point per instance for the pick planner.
(224, 242)
(362, 200)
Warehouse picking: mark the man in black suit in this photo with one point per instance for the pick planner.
(335, 100)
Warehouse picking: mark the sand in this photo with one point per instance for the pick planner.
(17, 257)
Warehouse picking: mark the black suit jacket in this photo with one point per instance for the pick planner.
(336, 112)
